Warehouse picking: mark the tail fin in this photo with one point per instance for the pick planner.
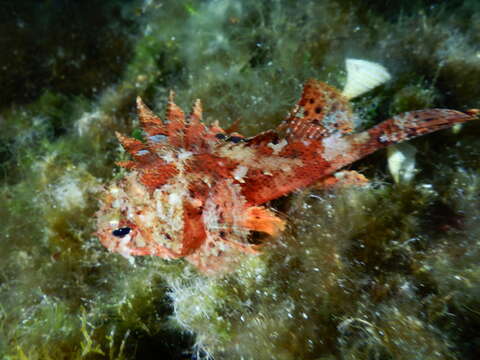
(403, 127)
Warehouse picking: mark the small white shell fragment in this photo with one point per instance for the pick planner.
(363, 76)
(457, 128)
(401, 162)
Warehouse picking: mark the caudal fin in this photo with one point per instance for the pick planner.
(403, 127)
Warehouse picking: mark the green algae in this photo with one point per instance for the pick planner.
(384, 272)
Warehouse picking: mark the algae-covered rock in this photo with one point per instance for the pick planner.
(388, 271)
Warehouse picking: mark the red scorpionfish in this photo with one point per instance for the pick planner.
(197, 192)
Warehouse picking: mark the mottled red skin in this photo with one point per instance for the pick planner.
(225, 183)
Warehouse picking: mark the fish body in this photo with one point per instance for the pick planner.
(198, 192)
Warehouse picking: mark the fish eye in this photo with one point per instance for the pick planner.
(121, 232)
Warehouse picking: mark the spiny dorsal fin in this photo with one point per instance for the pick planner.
(151, 123)
(196, 114)
(196, 131)
(263, 139)
(174, 112)
(234, 127)
(136, 148)
(215, 128)
(363, 76)
(129, 144)
(127, 164)
(176, 122)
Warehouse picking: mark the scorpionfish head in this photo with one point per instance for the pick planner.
(133, 220)
(172, 221)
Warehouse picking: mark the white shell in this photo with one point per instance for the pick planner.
(401, 162)
(362, 76)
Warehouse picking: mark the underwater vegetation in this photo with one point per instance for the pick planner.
(387, 271)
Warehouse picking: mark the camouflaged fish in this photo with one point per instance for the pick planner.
(197, 192)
